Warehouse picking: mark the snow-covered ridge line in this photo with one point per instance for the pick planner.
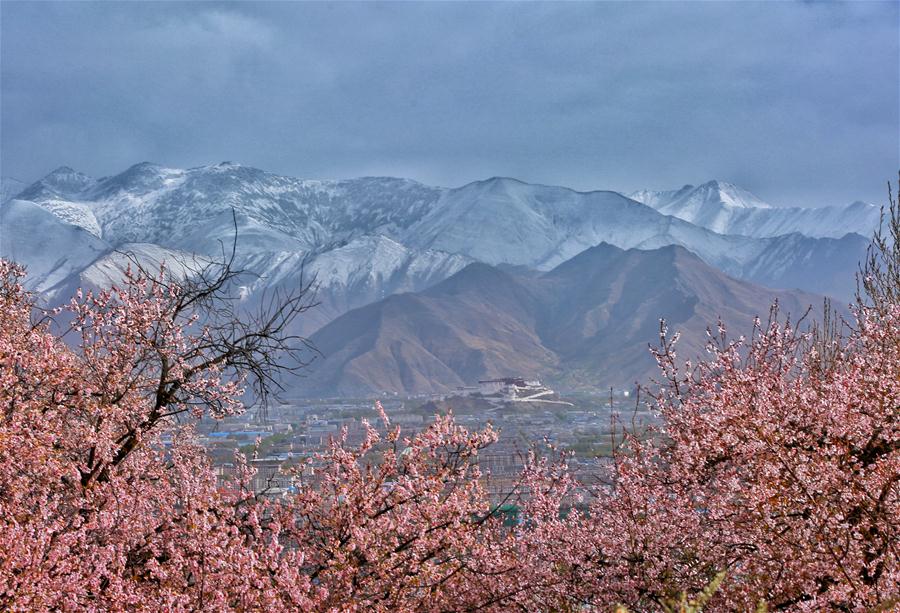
(301, 207)
(369, 237)
(728, 209)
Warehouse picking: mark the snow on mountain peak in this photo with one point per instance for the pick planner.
(368, 237)
(63, 184)
(713, 205)
(656, 198)
(859, 204)
(63, 173)
(152, 203)
(138, 180)
(715, 193)
(731, 195)
(728, 209)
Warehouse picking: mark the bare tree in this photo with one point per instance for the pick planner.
(255, 347)
(878, 279)
(877, 284)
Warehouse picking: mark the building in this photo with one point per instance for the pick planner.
(511, 388)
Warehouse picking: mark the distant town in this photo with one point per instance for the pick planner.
(279, 439)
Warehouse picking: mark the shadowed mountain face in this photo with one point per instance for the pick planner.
(480, 322)
(588, 322)
(821, 265)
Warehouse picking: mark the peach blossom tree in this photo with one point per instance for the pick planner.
(776, 461)
(108, 503)
(772, 478)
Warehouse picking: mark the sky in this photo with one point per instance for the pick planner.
(797, 102)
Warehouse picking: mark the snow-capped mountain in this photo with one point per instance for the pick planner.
(63, 183)
(288, 229)
(507, 221)
(711, 205)
(51, 248)
(495, 221)
(719, 192)
(367, 238)
(728, 209)
(364, 270)
(167, 206)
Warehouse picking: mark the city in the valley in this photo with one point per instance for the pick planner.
(280, 439)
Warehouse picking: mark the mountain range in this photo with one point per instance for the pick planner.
(585, 323)
(728, 209)
(375, 242)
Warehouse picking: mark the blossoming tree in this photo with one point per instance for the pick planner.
(108, 503)
(773, 477)
(777, 461)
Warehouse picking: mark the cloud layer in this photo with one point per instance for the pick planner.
(797, 102)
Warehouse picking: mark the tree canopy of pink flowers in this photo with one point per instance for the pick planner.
(776, 466)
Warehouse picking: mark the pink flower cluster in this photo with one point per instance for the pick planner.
(774, 465)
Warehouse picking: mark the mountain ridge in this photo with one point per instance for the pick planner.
(728, 209)
(369, 237)
(592, 316)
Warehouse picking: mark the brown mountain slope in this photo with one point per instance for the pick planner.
(604, 307)
(587, 323)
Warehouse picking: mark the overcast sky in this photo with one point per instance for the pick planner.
(797, 102)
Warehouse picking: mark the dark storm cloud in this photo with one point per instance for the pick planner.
(798, 102)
